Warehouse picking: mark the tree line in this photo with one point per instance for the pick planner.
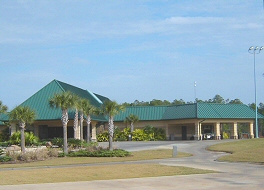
(216, 99)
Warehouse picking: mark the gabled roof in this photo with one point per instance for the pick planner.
(39, 102)
(190, 111)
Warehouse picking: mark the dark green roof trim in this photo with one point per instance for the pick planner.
(190, 111)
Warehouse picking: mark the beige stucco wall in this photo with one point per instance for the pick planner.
(173, 128)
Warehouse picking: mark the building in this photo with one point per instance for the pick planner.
(193, 121)
(48, 121)
(181, 122)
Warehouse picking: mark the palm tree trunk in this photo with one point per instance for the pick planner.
(75, 123)
(22, 136)
(64, 119)
(88, 120)
(110, 143)
(131, 127)
(111, 132)
(81, 126)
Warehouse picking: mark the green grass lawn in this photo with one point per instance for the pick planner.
(89, 173)
(108, 172)
(249, 150)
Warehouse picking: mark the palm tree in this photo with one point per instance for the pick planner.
(64, 101)
(22, 115)
(88, 109)
(111, 108)
(3, 108)
(81, 105)
(76, 122)
(131, 119)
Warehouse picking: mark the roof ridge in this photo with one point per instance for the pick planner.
(37, 92)
(58, 83)
(216, 110)
(147, 106)
(97, 99)
(68, 85)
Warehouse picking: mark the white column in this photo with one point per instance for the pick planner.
(197, 131)
(200, 131)
(217, 131)
(94, 131)
(234, 131)
(13, 128)
(251, 131)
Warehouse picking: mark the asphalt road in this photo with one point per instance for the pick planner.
(231, 175)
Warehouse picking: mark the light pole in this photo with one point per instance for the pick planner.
(255, 50)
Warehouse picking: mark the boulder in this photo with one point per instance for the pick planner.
(13, 148)
(48, 144)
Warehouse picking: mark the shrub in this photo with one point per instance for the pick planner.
(139, 135)
(149, 131)
(1, 151)
(15, 138)
(100, 153)
(103, 137)
(225, 135)
(4, 144)
(40, 154)
(119, 135)
(13, 155)
(75, 143)
(53, 152)
(61, 154)
(5, 159)
(34, 155)
(159, 134)
(57, 141)
(30, 138)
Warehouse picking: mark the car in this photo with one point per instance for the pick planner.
(208, 136)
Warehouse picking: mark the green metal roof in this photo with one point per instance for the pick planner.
(3, 117)
(39, 102)
(185, 111)
(226, 111)
(145, 113)
(190, 111)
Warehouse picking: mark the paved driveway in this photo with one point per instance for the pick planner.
(231, 175)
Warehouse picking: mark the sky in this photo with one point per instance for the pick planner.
(132, 50)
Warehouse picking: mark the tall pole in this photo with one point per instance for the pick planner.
(194, 91)
(255, 50)
(255, 85)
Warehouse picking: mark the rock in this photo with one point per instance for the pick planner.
(13, 148)
(48, 144)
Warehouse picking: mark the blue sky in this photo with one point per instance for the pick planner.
(132, 50)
